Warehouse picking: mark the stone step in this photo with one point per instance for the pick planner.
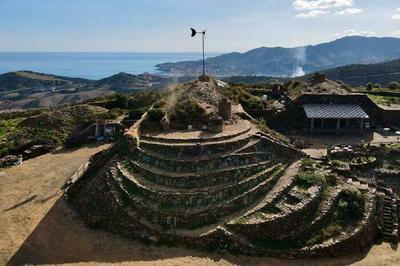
(194, 217)
(225, 161)
(184, 150)
(192, 197)
(282, 186)
(253, 146)
(273, 225)
(321, 216)
(198, 179)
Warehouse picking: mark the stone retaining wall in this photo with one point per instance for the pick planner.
(227, 176)
(168, 217)
(360, 239)
(277, 225)
(192, 150)
(206, 196)
(231, 160)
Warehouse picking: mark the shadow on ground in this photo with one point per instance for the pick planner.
(73, 149)
(61, 237)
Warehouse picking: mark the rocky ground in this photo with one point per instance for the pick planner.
(37, 227)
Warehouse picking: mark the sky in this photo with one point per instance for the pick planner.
(163, 25)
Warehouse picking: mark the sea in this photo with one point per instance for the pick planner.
(90, 65)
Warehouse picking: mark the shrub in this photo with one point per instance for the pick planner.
(308, 178)
(308, 163)
(351, 205)
(331, 180)
(155, 114)
(394, 85)
(370, 86)
(121, 101)
(188, 110)
(338, 164)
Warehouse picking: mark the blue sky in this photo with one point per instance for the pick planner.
(163, 25)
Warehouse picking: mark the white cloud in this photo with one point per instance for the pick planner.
(396, 33)
(353, 32)
(312, 14)
(396, 14)
(349, 11)
(321, 4)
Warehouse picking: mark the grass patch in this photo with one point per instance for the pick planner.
(384, 100)
(308, 163)
(308, 179)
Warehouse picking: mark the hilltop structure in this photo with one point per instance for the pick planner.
(197, 171)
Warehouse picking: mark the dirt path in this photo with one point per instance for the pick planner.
(28, 191)
(37, 227)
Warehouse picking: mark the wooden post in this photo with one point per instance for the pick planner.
(312, 125)
(362, 125)
(338, 126)
(347, 123)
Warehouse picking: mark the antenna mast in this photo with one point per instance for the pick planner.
(203, 35)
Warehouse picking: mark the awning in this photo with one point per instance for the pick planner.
(334, 111)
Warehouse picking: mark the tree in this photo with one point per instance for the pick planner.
(394, 85)
(121, 101)
(377, 85)
(370, 86)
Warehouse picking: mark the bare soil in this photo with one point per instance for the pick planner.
(37, 227)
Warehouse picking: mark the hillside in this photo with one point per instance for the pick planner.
(29, 79)
(287, 62)
(124, 82)
(359, 74)
(26, 89)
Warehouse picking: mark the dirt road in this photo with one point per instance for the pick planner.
(28, 192)
(37, 227)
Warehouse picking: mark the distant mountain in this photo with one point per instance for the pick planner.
(287, 62)
(26, 89)
(123, 82)
(29, 79)
(359, 74)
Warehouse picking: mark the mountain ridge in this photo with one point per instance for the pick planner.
(286, 62)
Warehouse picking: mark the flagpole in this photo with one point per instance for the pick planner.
(204, 62)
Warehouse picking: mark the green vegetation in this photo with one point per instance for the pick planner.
(362, 160)
(308, 163)
(384, 100)
(239, 93)
(331, 180)
(121, 101)
(155, 114)
(308, 179)
(338, 164)
(187, 110)
(394, 85)
(372, 86)
(351, 205)
(262, 125)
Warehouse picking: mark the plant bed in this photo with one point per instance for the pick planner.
(360, 163)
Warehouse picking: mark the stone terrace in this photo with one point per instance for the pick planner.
(231, 191)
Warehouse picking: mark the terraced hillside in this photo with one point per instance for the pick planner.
(239, 191)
